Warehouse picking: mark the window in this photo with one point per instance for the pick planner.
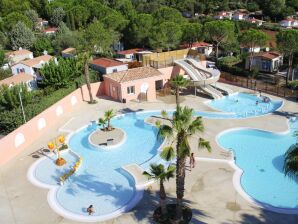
(130, 90)
(115, 70)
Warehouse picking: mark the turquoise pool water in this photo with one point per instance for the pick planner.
(100, 181)
(260, 155)
(244, 105)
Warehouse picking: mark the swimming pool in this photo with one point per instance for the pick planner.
(100, 180)
(260, 154)
(244, 105)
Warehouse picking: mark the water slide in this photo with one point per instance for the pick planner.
(222, 88)
(202, 77)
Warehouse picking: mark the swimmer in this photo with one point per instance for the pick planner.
(257, 102)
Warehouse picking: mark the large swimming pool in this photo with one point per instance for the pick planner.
(102, 182)
(260, 154)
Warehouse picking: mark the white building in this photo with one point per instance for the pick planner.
(201, 47)
(19, 55)
(238, 16)
(21, 78)
(289, 23)
(223, 15)
(107, 66)
(129, 54)
(255, 21)
(255, 49)
(50, 30)
(31, 66)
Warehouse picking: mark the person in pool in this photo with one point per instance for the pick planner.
(90, 210)
(257, 103)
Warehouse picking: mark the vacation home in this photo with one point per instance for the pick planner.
(258, 22)
(19, 79)
(50, 30)
(17, 56)
(135, 84)
(31, 66)
(68, 52)
(200, 47)
(107, 66)
(266, 62)
(289, 23)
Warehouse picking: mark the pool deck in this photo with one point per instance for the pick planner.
(209, 187)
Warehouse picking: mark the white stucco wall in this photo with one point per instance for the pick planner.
(118, 68)
(17, 67)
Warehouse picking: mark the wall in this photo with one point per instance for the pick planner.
(15, 142)
(118, 68)
(28, 70)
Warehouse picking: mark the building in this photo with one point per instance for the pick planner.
(41, 23)
(223, 15)
(289, 23)
(107, 66)
(50, 30)
(68, 52)
(135, 84)
(265, 62)
(129, 54)
(258, 22)
(238, 16)
(19, 55)
(31, 66)
(245, 49)
(201, 47)
(19, 79)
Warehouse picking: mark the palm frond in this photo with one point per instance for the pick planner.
(196, 126)
(165, 131)
(291, 162)
(204, 144)
(168, 153)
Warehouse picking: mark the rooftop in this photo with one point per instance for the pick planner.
(69, 50)
(106, 62)
(35, 61)
(50, 30)
(16, 79)
(133, 74)
(268, 55)
(130, 51)
(18, 52)
(196, 44)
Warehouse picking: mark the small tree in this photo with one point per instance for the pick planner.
(159, 173)
(21, 36)
(109, 114)
(32, 15)
(253, 38)
(57, 16)
(102, 122)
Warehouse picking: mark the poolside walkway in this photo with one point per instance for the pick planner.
(209, 188)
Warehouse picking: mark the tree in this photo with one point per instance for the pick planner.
(140, 29)
(42, 44)
(81, 15)
(159, 173)
(253, 38)
(192, 32)
(21, 36)
(167, 35)
(102, 122)
(291, 160)
(287, 42)
(58, 75)
(273, 8)
(167, 14)
(218, 32)
(179, 82)
(32, 15)
(10, 21)
(57, 16)
(9, 97)
(182, 127)
(2, 57)
(109, 114)
(65, 38)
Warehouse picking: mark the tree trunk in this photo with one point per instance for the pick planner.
(162, 194)
(289, 68)
(251, 58)
(180, 181)
(87, 79)
(177, 97)
(109, 125)
(216, 49)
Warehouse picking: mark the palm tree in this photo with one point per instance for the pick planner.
(102, 122)
(182, 127)
(291, 160)
(109, 114)
(179, 82)
(159, 173)
(85, 58)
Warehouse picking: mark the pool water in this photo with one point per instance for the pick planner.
(260, 154)
(244, 105)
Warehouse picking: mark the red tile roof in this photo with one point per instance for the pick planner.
(50, 30)
(106, 62)
(268, 55)
(196, 44)
(130, 51)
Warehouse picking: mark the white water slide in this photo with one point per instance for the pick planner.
(202, 77)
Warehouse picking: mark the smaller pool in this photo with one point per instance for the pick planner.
(245, 105)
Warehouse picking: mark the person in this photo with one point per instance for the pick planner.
(192, 161)
(90, 209)
(257, 102)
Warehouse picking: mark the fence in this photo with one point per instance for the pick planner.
(259, 85)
